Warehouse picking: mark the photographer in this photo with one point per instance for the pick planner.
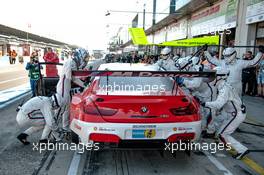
(33, 74)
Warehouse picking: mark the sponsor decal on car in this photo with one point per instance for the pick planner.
(184, 129)
(143, 126)
(106, 129)
(77, 127)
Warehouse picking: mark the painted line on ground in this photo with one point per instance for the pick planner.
(73, 170)
(218, 164)
(250, 163)
(250, 119)
(6, 81)
(14, 99)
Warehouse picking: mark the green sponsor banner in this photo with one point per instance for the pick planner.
(138, 36)
(194, 42)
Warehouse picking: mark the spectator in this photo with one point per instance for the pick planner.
(51, 69)
(9, 55)
(261, 78)
(13, 57)
(33, 74)
(248, 76)
(135, 57)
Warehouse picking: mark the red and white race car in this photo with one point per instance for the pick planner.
(141, 103)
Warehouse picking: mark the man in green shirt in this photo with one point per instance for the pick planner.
(33, 69)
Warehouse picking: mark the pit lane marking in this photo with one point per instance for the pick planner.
(218, 164)
(251, 163)
(6, 81)
(250, 119)
(73, 170)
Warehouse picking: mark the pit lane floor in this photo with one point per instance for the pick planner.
(19, 159)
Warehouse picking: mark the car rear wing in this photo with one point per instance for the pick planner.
(121, 73)
(208, 75)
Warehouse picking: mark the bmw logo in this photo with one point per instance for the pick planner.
(144, 109)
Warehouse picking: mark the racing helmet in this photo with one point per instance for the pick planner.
(229, 55)
(55, 101)
(165, 53)
(77, 58)
(84, 56)
(221, 75)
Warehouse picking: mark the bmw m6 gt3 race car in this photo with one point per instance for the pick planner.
(141, 103)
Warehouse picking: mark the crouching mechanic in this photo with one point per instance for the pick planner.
(38, 113)
(63, 87)
(231, 105)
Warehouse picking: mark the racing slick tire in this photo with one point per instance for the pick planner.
(74, 138)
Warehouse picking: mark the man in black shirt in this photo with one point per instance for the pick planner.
(248, 76)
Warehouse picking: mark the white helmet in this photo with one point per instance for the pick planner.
(221, 75)
(55, 101)
(165, 53)
(229, 54)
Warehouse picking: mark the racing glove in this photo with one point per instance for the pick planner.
(205, 47)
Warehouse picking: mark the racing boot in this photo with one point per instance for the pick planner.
(23, 138)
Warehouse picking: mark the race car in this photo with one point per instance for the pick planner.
(140, 103)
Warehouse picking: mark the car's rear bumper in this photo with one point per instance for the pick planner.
(112, 132)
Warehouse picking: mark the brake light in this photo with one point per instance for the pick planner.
(188, 110)
(181, 136)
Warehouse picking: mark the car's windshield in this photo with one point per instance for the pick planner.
(135, 85)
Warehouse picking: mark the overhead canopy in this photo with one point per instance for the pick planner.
(139, 38)
(23, 35)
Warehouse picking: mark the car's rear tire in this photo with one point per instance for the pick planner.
(75, 138)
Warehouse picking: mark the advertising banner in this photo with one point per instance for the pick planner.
(177, 30)
(194, 42)
(216, 18)
(255, 11)
(160, 36)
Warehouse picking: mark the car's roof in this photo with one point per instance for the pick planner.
(128, 66)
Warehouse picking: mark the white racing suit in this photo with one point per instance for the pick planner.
(38, 114)
(231, 105)
(63, 90)
(235, 68)
(168, 64)
(205, 92)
